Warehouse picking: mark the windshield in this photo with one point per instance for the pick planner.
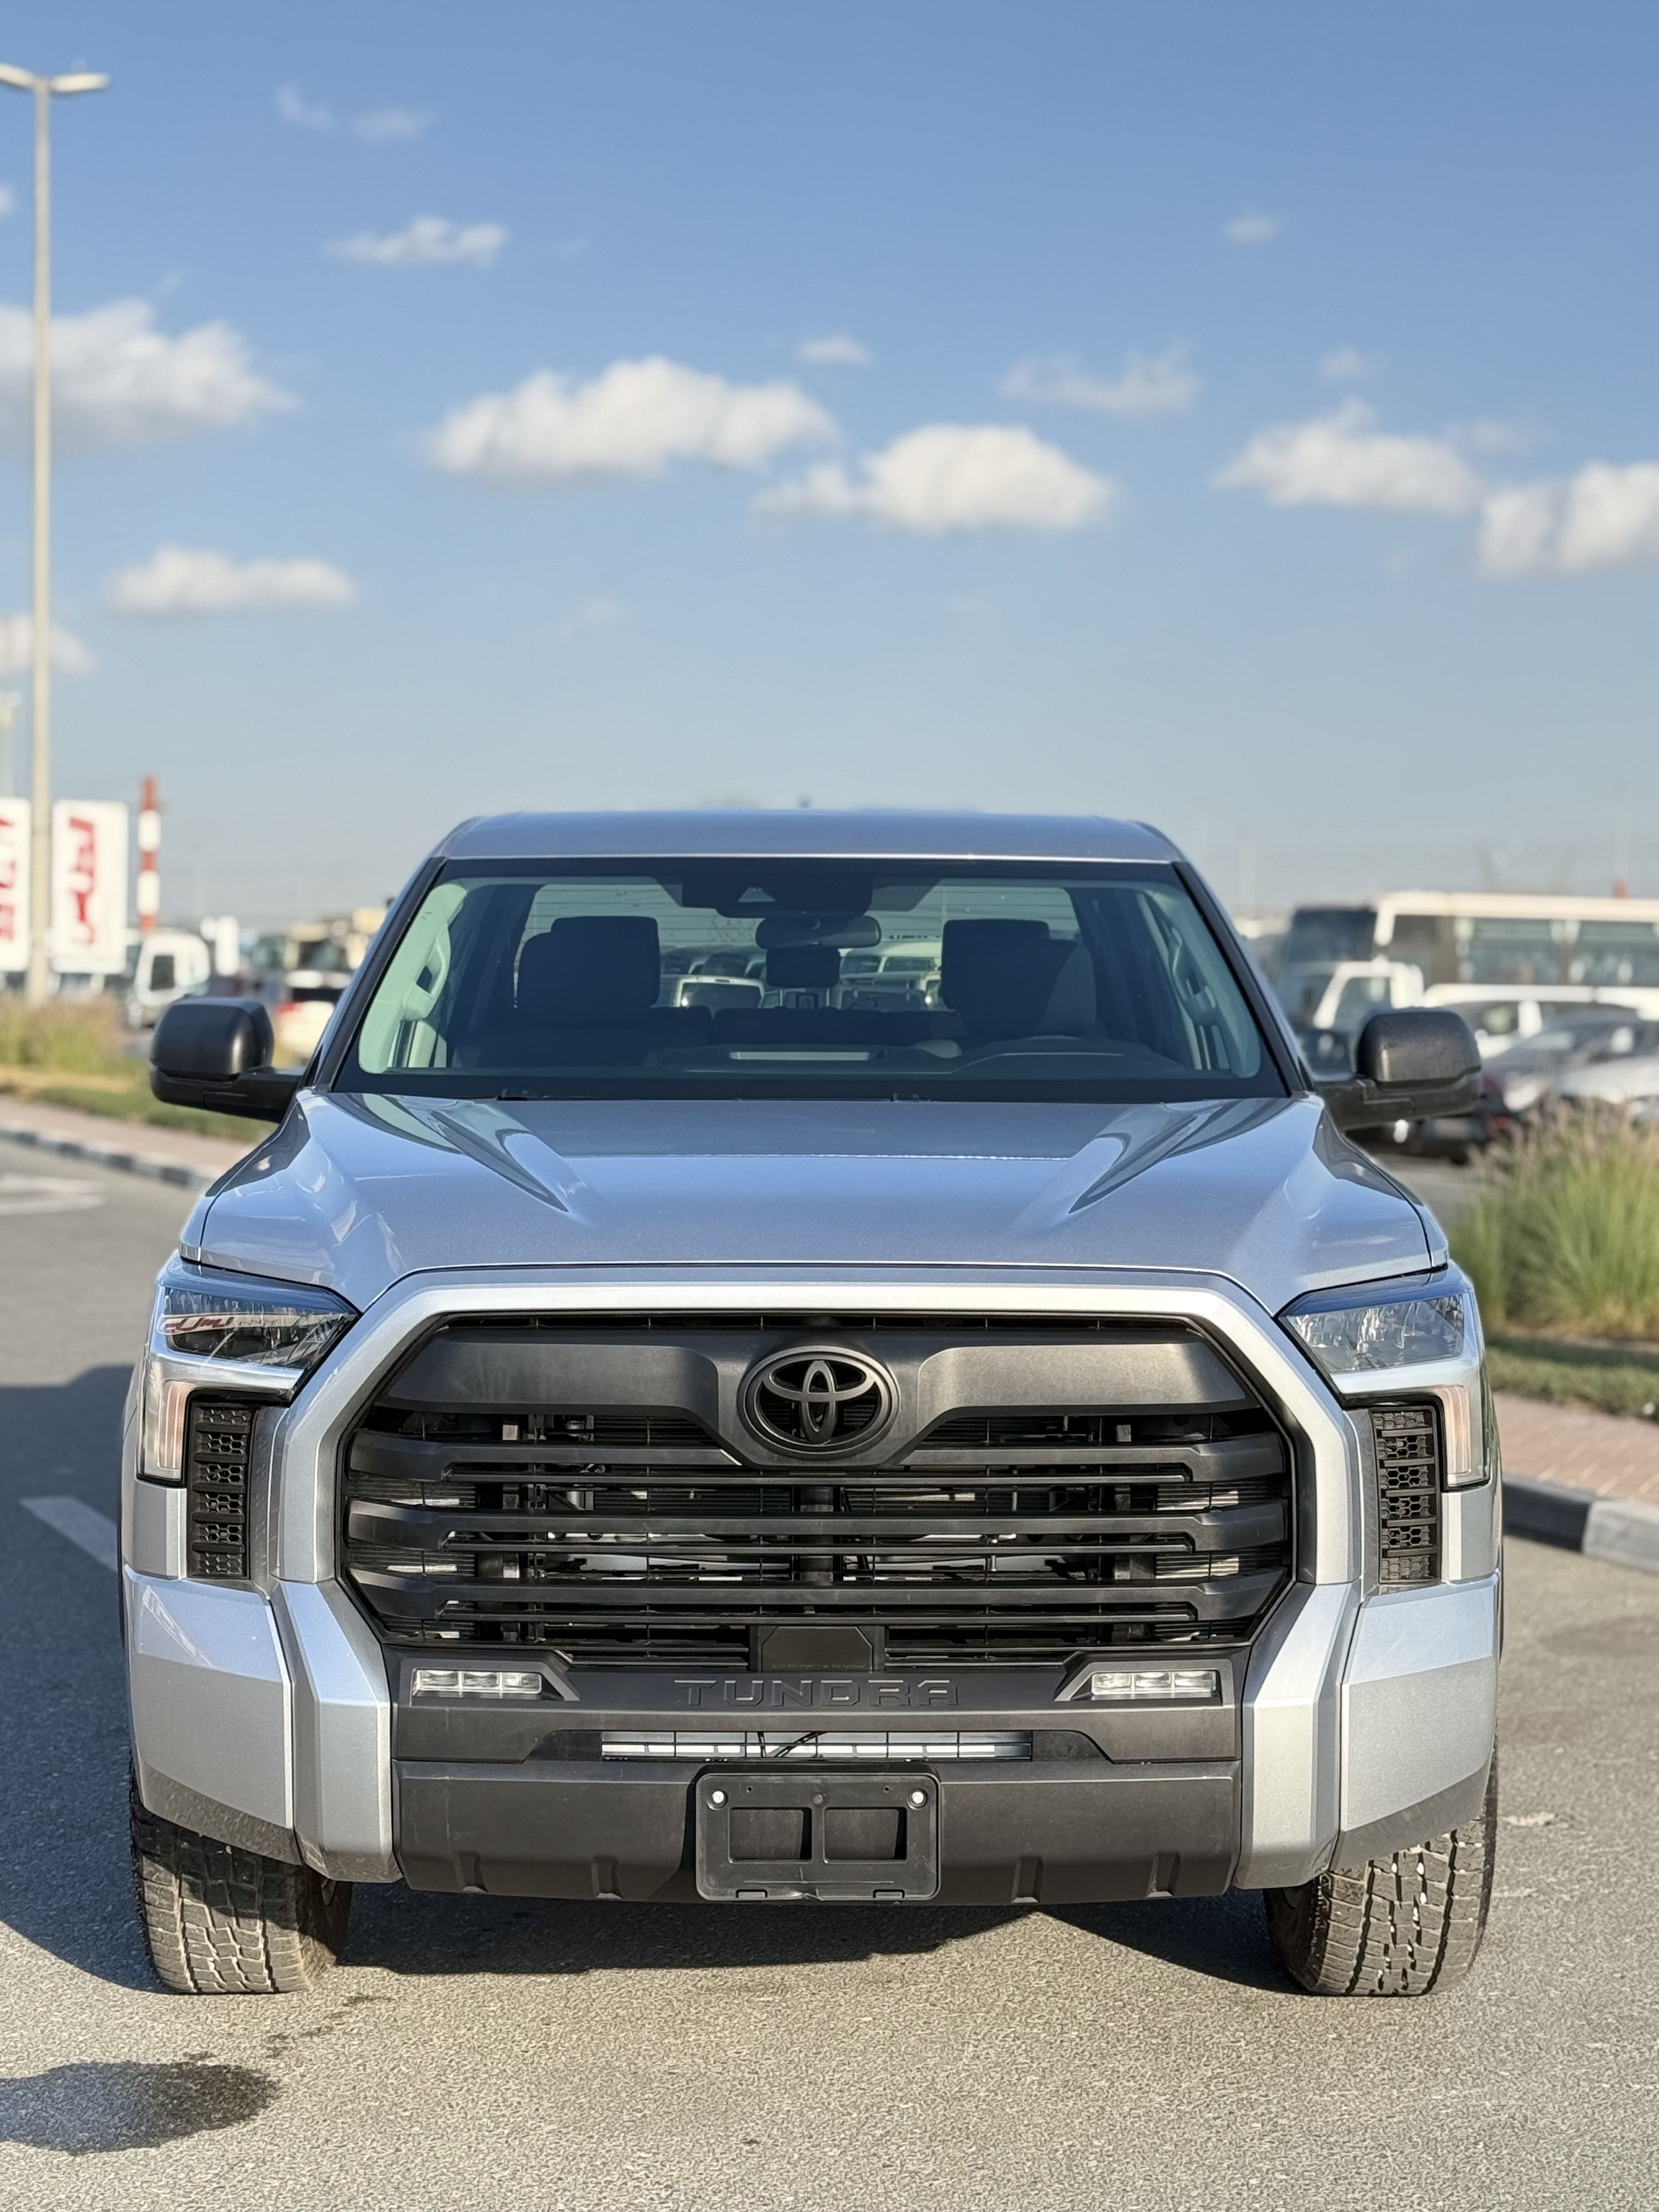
(785, 978)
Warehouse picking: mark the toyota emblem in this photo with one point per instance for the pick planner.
(817, 1398)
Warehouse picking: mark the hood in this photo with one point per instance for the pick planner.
(355, 1192)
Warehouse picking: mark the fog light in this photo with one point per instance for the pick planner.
(1190, 1685)
(474, 1682)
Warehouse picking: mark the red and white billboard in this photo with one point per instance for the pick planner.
(14, 885)
(88, 887)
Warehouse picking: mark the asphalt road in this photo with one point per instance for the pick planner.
(475, 2053)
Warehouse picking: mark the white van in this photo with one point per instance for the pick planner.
(172, 964)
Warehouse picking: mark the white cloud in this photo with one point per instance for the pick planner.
(391, 126)
(951, 477)
(1486, 434)
(116, 380)
(633, 419)
(293, 106)
(1603, 517)
(1343, 460)
(429, 240)
(8, 200)
(1252, 227)
(68, 652)
(376, 126)
(184, 579)
(1344, 365)
(1151, 384)
(598, 612)
(835, 349)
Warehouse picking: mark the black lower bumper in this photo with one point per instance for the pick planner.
(1065, 1832)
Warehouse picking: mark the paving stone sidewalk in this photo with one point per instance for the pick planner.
(174, 1155)
(1610, 1456)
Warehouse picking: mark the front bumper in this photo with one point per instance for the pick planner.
(1357, 1723)
(1355, 1729)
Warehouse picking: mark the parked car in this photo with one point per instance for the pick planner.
(1629, 1079)
(303, 1013)
(905, 974)
(1503, 1016)
(1543, 1067)
(1339, 994)
(1013, 1451)
(713, 989)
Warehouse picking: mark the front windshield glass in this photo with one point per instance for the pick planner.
(785, 978)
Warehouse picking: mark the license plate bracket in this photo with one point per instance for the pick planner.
(861, 1838)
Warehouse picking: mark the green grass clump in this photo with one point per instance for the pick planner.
(1564, 1235)
(1605, 1377)
(68, 1053)
(83, 1034)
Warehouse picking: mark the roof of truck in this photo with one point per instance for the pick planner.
(804, 833)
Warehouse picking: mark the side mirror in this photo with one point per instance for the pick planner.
(1407, 1065)
(215, 1053)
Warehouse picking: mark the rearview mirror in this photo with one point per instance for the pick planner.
(215, 1053)
(1407, 1065)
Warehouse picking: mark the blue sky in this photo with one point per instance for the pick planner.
(1256, 434)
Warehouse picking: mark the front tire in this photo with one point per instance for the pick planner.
(1398, 1927)
(219, 1921)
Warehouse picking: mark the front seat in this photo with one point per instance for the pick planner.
(586, 995)
(1012, 979)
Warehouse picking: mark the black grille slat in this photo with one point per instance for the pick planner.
(218, 1456)
(431, 1529)
(624, 1536)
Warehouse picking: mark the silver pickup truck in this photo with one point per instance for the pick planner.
(1001, 1444)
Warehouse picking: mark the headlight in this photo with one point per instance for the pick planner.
(204, 1312)
(226, 1333)
(1409, 1323)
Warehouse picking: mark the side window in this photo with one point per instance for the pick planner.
(397, 1030)
(1162, 983)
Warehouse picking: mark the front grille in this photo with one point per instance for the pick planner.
(1407, 1442)
(218, 1446)
(1008, 1535)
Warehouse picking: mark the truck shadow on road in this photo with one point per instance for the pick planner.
(1223, 1938)
(406, 1932)
(427, 1935)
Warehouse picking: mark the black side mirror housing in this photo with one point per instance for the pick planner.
(215, 1053)
(1408, 1064)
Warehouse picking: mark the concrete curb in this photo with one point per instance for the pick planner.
(1623, 1530)
(110, 1155)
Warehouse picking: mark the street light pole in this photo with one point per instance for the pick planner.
(43, 89)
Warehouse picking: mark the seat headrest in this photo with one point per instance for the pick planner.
(591, 970)
(1010, 979)
(803, 968)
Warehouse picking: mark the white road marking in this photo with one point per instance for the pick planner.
(94, 1532)
(31, 1194)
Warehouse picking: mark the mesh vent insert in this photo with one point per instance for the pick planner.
(218, 1451)
(1408, 1440)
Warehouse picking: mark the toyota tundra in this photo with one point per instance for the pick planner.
(1000, 1445)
